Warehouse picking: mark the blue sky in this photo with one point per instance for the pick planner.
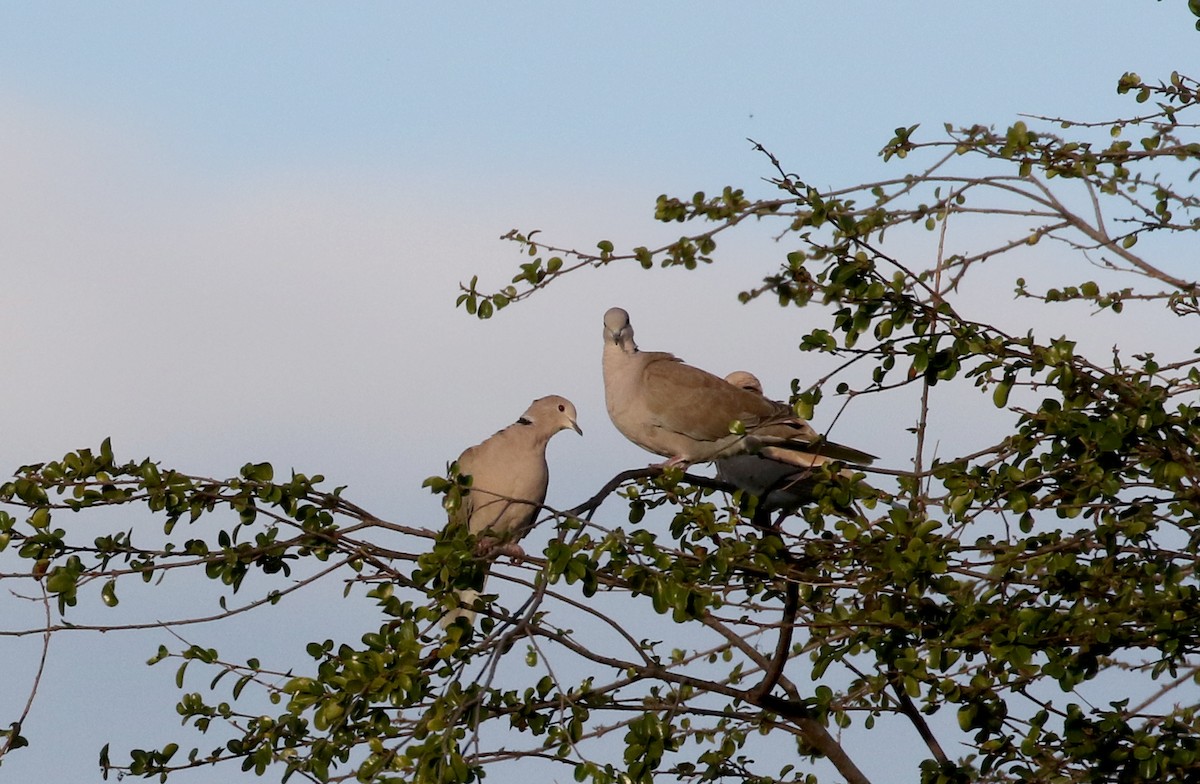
(234, 232)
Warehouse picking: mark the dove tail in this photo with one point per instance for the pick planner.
(466, 599)
(815, 454)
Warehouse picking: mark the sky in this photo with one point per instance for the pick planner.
(234, 232)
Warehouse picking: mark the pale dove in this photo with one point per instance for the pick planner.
(509, 477)
(690, 416)
(777, 485)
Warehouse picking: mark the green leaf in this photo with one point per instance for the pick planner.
(40, 519)
(108, 594)
(258, 472)
(1000, 393)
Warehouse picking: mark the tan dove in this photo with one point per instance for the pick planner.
(509, 477)
(777, 485)
(690, 416)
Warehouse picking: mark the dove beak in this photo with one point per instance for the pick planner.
(619, 337)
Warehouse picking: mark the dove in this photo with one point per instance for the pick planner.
(688, 415)
(777, 485)
(509, 478)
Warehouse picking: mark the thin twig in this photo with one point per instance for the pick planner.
(14, 730)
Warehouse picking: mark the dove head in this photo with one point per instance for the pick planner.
(552, 413)
(745, 380)
(618, 330)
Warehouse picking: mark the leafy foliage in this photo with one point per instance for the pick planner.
(1012, 589)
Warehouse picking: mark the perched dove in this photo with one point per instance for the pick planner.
(777, 485)
(688, 415)
(509, 477)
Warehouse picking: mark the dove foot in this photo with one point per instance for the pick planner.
(489, 547)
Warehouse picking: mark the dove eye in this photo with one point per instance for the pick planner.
(561, 407)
